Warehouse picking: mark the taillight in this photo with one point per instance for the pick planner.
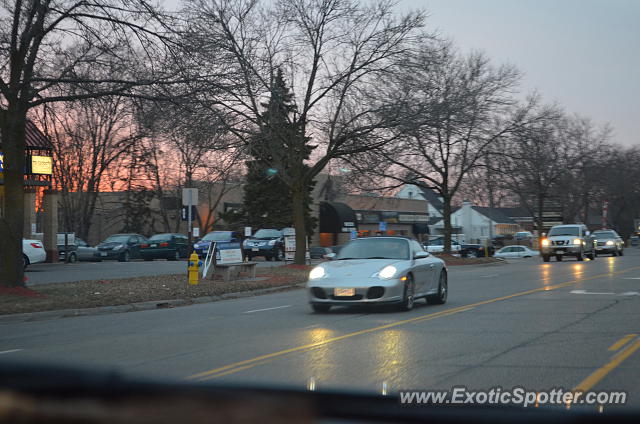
(144, 245)
(164, 244)
(36, 245)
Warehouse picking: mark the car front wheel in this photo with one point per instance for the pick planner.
(125, 257)
(443, 290)
(409, 294)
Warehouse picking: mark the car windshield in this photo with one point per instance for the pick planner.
(118, 238)
(604, 234)
(375, 248)
(564, 231)
(267, 234)
(217, 236)
(161, 237)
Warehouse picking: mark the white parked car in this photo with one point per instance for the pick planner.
(437, 246)
(516, 252)
(33, 252)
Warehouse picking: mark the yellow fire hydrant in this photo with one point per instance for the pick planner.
(194, 269)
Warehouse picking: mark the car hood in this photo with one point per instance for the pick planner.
(357, 268)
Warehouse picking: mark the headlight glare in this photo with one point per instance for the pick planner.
(577, 241)
(317, 272)
(545, 242)
(609, 242)
(387, 272)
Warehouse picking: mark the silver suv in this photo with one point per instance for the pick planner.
(568, 240)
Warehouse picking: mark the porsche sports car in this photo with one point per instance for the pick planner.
(378, 270)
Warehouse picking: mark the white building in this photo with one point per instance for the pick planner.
(478, 223)
(434, 201)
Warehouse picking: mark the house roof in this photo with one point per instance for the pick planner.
(494, 214)
(432, 197)
(35, 139)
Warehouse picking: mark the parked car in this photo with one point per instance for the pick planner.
(319, 252)
(169, 246)
(33, 252)
(437, 246)
(78, 251)
(498, 241)
(202, 246)
(608, 241)
(523, 235)
(568, 240)
(122, 247)
(378, 270)
(516, 252)
(265, 242)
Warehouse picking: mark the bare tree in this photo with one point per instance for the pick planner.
(89, 137)
(51, 47)
(336, 54)
(460, 106)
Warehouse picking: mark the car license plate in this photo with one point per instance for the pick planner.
(560, 252)
(255, 249)
(344, 292)
(154, 245)
(103, 253)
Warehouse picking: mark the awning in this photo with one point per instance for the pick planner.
(337, 217)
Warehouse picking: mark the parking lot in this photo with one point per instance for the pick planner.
(63, 273)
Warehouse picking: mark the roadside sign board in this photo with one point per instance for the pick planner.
(228, 253)
(196, 231)
(354, 235)
(189, 196)
(382, 226)
(247, 231)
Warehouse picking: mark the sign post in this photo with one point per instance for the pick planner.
(189, 199)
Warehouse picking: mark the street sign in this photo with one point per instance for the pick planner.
(189, 196)
(196, 231)
(354, 235)
(382, 226)
(247, 231)
(185, 213)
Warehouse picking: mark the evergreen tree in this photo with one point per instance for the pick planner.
(267, 199)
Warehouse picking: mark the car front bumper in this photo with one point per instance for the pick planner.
(561, 250)
(371, 291)
(108, 254)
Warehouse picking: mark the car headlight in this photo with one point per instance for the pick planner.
(545, 242)
(317, 272)
(118, 246)
(609, 242)
(244, 243)
(272, 242)
(387, 272)
(577, 241)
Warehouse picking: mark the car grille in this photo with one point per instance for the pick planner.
(375, 292)
(354, 297)
(318, 292)
(557, 242)
(602, 243)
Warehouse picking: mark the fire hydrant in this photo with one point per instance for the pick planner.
(194, 269)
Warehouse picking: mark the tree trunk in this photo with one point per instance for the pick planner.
(12, 135)
(446, 216)
(297, 196)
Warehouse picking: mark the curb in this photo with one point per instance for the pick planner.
(139, 306)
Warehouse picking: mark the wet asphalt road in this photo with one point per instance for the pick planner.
(524, 323)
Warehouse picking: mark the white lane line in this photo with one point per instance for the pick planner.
(489, 276)
(10, 351)
(266, 309)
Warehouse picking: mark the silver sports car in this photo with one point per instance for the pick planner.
(378, 270)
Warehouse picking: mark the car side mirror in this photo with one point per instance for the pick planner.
(331, 256)
(421, 255)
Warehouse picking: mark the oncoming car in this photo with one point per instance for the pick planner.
(568, 240)
(608, 241)
(378, 270)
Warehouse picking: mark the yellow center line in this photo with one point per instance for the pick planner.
(601, 372)
(623, 341)
(258, 360)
